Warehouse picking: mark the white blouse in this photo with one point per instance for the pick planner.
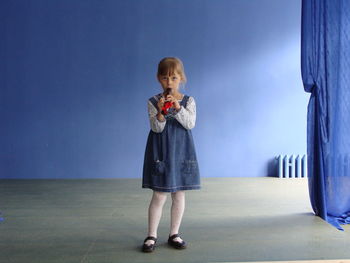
(185, 116)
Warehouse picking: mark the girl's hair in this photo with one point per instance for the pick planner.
(169, 65)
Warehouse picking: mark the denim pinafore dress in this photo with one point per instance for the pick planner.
(170, 162)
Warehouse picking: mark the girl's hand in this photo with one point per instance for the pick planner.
(174, 101)
(160, 104)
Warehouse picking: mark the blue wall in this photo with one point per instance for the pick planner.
(76, 75)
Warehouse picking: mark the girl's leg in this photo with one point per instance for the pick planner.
(177, 211)
(155, 213)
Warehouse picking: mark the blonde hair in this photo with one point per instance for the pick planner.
(170, 65)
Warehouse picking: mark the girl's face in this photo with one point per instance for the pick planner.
(171, 81)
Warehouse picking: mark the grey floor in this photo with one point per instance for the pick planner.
(229, 220)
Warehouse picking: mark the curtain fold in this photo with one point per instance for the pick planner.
(325, 68)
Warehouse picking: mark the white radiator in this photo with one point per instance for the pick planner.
(292, 166)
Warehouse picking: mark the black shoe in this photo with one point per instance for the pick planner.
(176, 244)
(149, 248)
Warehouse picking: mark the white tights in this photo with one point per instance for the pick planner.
(155, 213)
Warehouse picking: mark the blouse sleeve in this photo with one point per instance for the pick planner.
(187, 116)
(156, 125)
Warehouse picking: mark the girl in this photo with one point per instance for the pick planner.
(170, 163)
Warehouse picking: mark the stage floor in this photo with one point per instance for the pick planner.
(105, 220)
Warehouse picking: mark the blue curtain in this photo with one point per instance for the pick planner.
(325, 66)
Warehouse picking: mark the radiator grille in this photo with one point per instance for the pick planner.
(292, 166)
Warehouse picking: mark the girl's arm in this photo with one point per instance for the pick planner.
(187, 116)
(156, 125)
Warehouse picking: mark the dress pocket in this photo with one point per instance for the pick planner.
(158, 168)
(189, 167)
